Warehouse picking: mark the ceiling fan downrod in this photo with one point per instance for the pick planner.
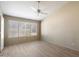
(38, 10)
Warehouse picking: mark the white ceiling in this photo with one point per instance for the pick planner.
(23, 8)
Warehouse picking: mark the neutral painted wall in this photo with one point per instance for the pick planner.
(17, 40)
(62, 27)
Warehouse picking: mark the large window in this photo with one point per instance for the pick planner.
(12, 28)
(33, 29)
(21, 29)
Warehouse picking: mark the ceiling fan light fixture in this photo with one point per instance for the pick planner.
(38, 10)
(38, 1)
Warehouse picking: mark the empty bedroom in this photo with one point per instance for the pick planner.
(39, 28)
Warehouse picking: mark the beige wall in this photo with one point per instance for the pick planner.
(62, 27)
(12, 41)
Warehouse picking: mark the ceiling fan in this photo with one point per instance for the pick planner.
(38, 10)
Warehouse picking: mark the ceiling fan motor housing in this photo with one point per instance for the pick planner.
(38, 10)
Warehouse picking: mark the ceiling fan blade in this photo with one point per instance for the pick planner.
(33, 9)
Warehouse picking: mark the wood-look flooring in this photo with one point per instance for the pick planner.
(38, 49)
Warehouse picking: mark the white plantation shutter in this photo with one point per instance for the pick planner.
(33, 29)
(21, 29)
(12, 28)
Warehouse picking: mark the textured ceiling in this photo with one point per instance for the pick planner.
(24, 9)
